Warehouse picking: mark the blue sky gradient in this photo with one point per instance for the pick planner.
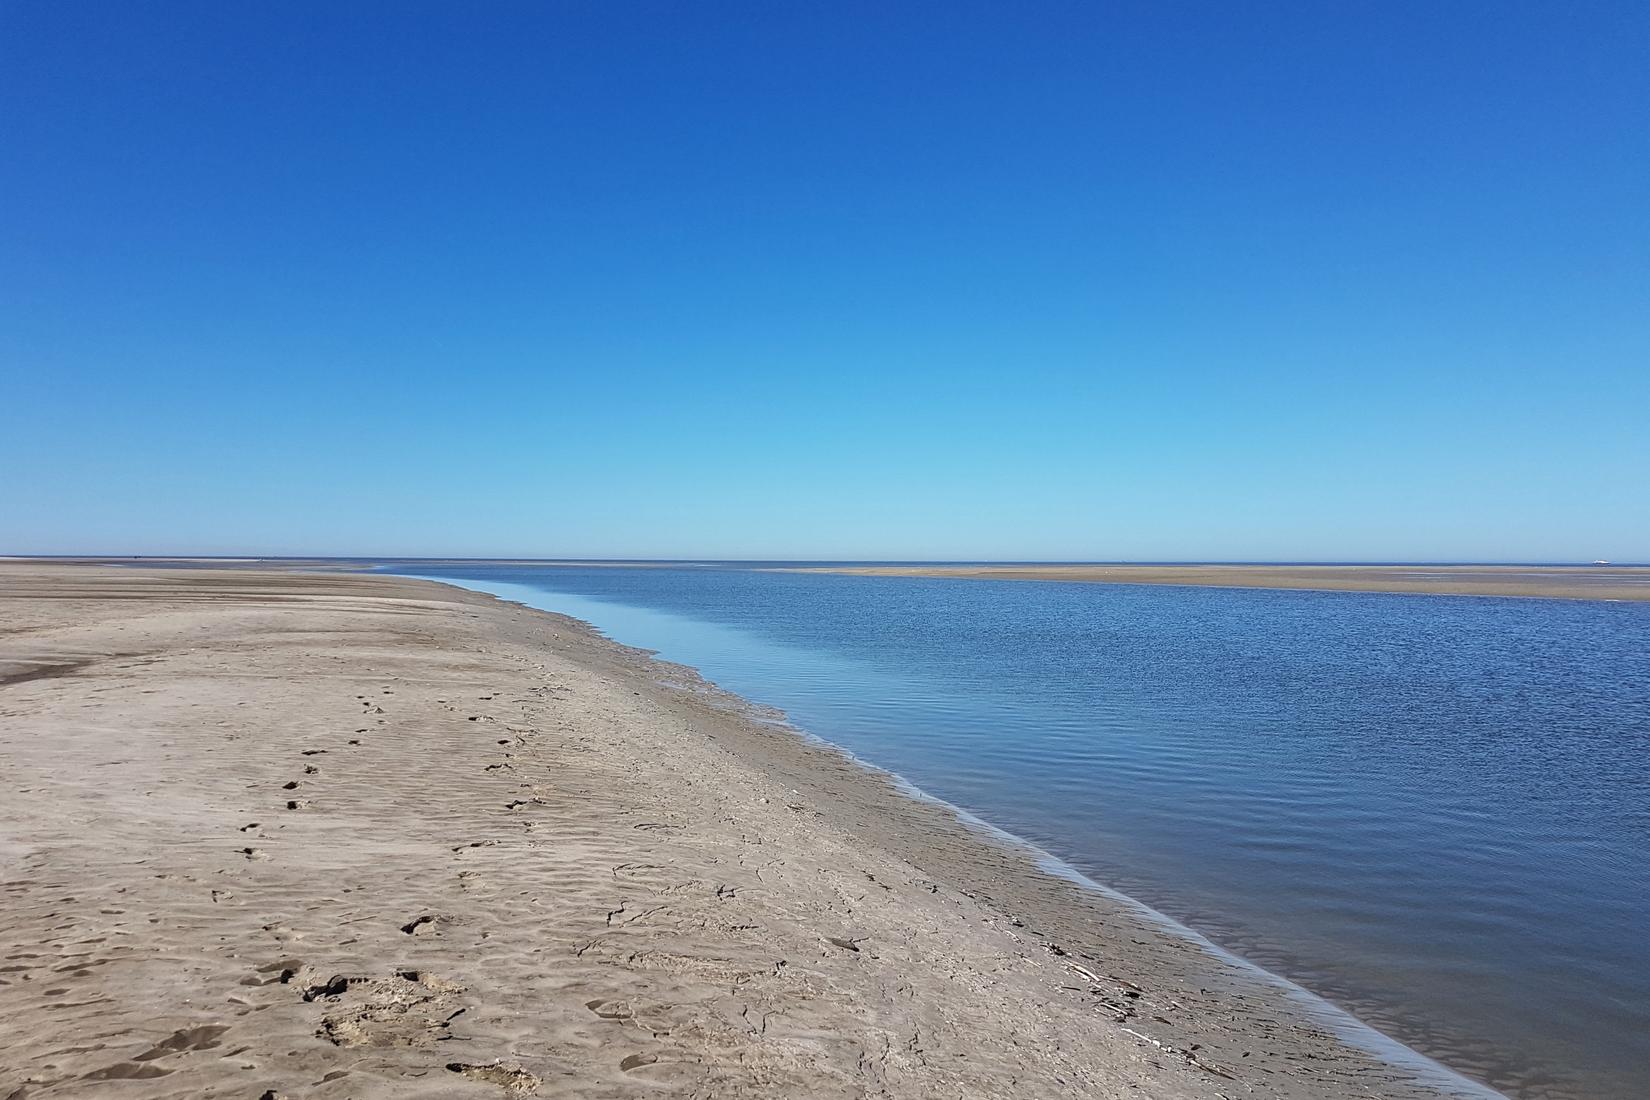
(1156, 281)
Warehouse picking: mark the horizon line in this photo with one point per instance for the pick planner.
(563, 559)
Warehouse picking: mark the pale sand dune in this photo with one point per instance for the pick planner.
(283, 835)
(1570, 582)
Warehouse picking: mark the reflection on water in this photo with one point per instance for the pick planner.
(1433, 810)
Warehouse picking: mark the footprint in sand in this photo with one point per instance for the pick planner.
(610, 1010)
(513, 1079)
(281, 972)
(409, 1009)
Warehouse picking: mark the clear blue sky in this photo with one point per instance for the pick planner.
(1078, 281)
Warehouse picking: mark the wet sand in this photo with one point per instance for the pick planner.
(275, 834)
(1580, 582)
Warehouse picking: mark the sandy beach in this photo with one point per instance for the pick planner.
(1579, 582)
(284, 834)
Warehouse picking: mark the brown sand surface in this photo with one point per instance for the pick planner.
(1580, 582)
(271, 834)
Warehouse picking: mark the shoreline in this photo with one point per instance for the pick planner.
(1599, 581)
(1560, 582)
(1346, 1025)
(644, 818)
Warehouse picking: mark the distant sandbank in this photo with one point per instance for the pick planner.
(1579, 582)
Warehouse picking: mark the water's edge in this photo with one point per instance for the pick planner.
(1346, 1026)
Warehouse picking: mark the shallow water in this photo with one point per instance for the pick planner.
(1432, 810)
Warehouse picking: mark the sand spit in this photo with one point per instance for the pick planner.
(1578, 582)
(272, 834)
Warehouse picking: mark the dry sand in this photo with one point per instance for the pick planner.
(282, 835)
(1578, 582)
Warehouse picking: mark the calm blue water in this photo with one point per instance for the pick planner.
(1434, 811)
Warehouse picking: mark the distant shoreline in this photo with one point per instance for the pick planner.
(1530, 581)
(1565, 582)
